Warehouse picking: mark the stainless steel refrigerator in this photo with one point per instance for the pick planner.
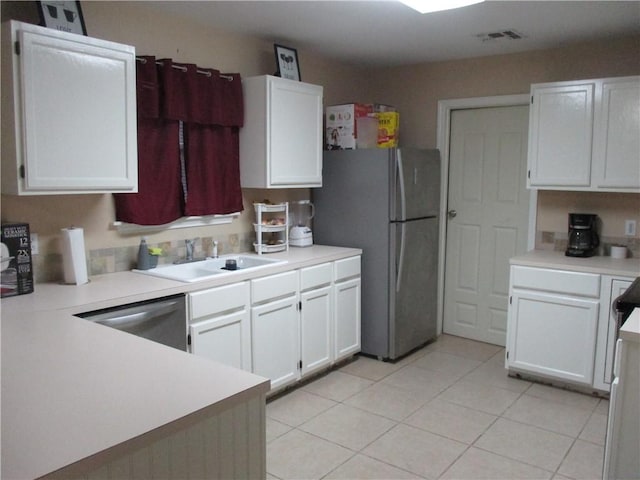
(386, 202)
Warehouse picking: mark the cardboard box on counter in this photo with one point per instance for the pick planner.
(16, 270)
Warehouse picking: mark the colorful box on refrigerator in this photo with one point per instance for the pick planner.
(342, 124)
(16, 270)
(388, 129)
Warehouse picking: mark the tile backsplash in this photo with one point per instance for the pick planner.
(557, 241)
(48, 268)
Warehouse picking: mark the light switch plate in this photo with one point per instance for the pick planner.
(35, 247)
(630, 228)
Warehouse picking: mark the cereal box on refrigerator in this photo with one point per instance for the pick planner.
(388, 128)
(16, 270)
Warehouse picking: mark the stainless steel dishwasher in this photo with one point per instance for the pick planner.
(163, 320)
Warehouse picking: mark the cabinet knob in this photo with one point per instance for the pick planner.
(452, 214)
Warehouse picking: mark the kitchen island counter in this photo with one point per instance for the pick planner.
(77, 395)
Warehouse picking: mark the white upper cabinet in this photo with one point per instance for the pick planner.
(616, 142)
(281, 140)
(560, 125)
(68, 113)
(585, 135)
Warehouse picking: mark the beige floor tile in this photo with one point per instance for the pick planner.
(557, 476)
(276, 429)
(466, 348)
(494, 373)
(603, 407)
(451, 421)
(370, 368)
(485, 398)
(476, 464)
(362, 467)
(595, 431)
(348, 426)
(583, 462)
(297, 407)
(337, 386)
(415, 450)
(454, 366)
(386, 400)
(419, 381)
(574, 399)
(554, 416)
(299, 455)
(525, 443)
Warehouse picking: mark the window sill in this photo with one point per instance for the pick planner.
(184, 222)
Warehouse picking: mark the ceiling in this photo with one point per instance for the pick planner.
(387, 33)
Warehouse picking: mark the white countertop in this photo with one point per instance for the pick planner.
(73, 388)
(627, 267)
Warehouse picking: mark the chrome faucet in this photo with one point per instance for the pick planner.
(190, 244)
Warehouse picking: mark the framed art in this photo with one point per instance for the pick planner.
(63, 16)
(287, 61)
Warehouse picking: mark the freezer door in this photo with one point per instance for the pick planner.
(417, 183)
(413, 287)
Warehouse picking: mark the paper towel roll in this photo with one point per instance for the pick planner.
(74, 260)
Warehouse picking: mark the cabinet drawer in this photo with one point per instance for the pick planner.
(557, 281)
(346, 268)
(315, 276)
(218, 300)
(274, 286)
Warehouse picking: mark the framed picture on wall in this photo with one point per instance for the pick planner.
(287, 61)
(63, 16)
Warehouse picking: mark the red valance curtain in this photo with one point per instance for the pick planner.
(188, 144)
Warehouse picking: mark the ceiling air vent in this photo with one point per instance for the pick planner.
(509, 34)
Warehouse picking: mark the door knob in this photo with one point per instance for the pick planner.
(452, 214)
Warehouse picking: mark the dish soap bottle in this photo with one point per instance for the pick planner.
(144, 262)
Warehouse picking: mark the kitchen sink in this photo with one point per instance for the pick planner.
(210, 267)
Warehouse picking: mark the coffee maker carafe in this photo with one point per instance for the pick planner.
(583, 237)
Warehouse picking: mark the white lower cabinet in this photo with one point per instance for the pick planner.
(316, 304)
(275, 328)
(219, 325)
(552, 323)
(284, 326)
(347, 307)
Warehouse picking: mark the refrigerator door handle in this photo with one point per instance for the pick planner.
(400, 174)
(400, 261)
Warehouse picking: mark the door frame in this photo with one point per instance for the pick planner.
(445, 108)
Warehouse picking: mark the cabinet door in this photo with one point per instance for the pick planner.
(295, 143)
(315, 329)
(616, 143)
(552, 335)
(560, 135)
(78, 118)
(346, 318)
(225, 339)
(276, 341)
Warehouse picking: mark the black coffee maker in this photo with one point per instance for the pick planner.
(583, 237)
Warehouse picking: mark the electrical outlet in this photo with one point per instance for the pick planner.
(630, 228)
(35, 247)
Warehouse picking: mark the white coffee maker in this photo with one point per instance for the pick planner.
(301, 212)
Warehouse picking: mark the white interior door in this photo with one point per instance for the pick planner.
(489, 213)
